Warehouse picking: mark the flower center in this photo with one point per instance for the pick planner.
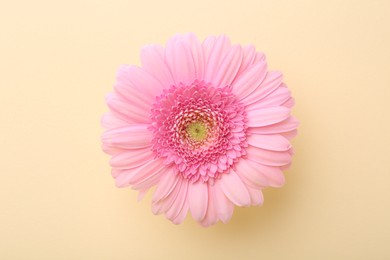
(197, 131)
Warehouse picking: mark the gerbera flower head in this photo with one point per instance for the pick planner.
(204, 122)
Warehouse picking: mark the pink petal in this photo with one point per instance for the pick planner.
(126, 89)
(129, 159)
(147, 170)
(249, 80)
(248, 56)
(267, 157)
(272, 80)
(207, 46)
(116, 172)
(290, 135)
(274, 175)
(128, 137)
(182, 215)
(215, 56)
(149, 181)
(179, 202)
(136, 175)
(152, 58)
(285, 167)
(180, 61)
(197, 199)
(228, 69)
(111, 150)
(223, 206)
(211, 217)
(122, 177)
(269, 142)
(166, 185)
(164, 205)
(267, 116)
(197, 54)
(257, 198)
(286, 125)
(276, 98)
(127, 111)
(145, 82)
(250, 176)
(109, 120)
(234, 189)
(259, 56)
(289, 103)
(142, 194)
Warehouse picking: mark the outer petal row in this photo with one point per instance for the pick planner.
(185, 59)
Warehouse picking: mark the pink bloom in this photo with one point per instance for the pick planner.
(204, 122)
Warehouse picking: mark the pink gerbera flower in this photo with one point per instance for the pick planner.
(204, 122)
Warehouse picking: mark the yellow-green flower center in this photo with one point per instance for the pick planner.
(197, 131)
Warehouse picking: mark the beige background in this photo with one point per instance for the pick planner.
(58, 59)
